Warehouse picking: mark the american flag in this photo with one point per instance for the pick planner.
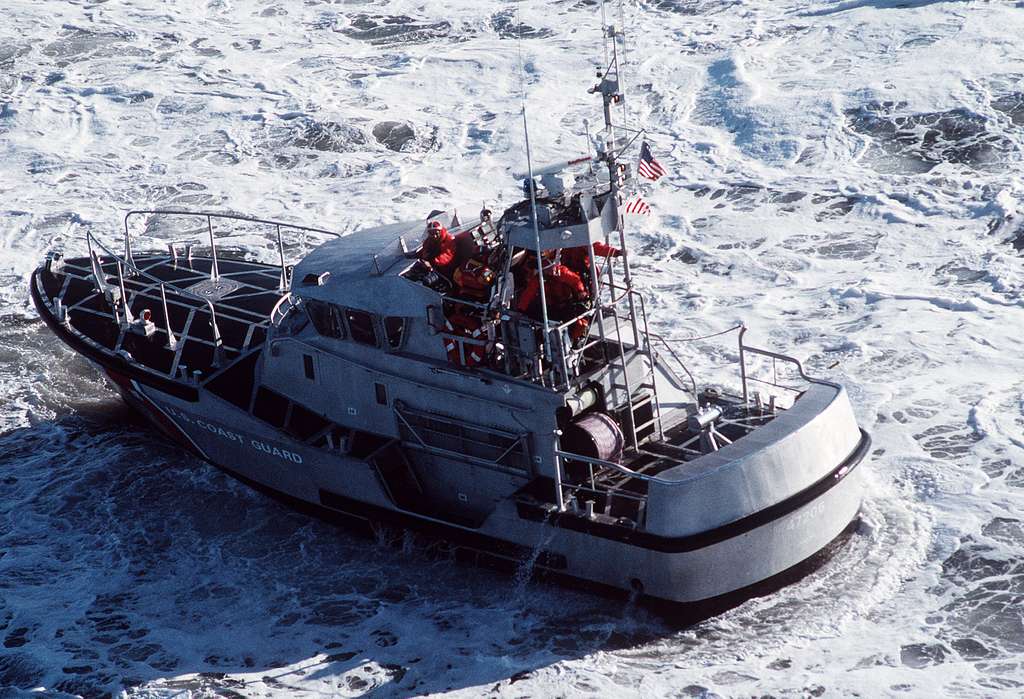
(637, 206)
(648, 167)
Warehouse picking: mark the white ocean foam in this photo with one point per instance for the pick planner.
(809, 198)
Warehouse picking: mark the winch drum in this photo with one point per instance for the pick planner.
(595, 435)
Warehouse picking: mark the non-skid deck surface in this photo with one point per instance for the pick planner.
(243, 300)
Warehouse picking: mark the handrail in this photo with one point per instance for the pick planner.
(614, 466)
(743, 349)
(792, 360)
(232, 217)
(518, 441)
(210, 216)
(672, 353)
(217, 341)
(277, 308)
(578, 489)
(128, 258)
(142, 273)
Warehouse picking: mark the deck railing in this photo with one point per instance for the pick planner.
(575, 494)
(126, 266)
(776, 358)
(101, 284)
(210, 217)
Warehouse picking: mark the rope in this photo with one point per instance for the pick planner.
(707, 337)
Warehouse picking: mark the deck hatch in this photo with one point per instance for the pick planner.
(214, 290)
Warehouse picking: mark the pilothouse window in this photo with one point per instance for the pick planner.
(360, 324)
(394, 326)
(326, 318)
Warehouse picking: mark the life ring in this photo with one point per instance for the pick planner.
(473, 354)
(451, 347)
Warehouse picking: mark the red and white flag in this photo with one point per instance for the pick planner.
(637, 206)
(648, 167)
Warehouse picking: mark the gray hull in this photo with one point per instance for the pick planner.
(688, 568)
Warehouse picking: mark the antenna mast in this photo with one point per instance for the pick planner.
(612, 94)
(533, 198)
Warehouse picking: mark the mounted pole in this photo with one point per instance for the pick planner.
(128, 319)
(559, 495)
(743, 366)
(595, 290)
(533, 205)
(283, 286)
(590, 163)
(536, 238)
(214, 271)
(96, 266)
(218, 343)
(612, 94)
(128, 246)
(172, 343)
(625, 60)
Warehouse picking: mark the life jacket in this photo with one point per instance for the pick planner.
(472, 354)
(474, 279)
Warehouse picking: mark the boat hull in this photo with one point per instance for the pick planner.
(698, 569)
(690, 569)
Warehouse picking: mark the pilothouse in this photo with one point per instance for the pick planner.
(493, 381)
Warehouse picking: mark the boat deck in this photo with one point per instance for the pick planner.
(244, 294)
(620, 495)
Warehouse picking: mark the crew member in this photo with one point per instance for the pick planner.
(438, 251)
(578, 258)
(563, 288)
(473, 279)
(566, 296)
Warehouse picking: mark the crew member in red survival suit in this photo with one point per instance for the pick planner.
(566, 293)
(578, 259)
(438, 251)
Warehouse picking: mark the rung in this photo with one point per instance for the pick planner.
(649, 423)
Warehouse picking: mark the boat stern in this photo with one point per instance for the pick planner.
(760, 506)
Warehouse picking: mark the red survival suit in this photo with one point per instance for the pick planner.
(578, 259)
(473, 279)
(439, 248)
(563, 288)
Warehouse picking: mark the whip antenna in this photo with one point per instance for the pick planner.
(533, 190)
